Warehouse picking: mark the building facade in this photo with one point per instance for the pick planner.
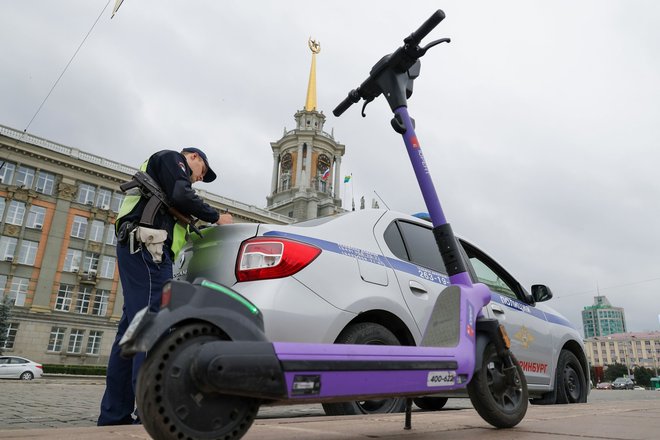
(630, 349)
(58, 267)
(306, 172)
(602, 319)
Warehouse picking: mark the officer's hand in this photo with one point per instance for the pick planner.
(225, 219)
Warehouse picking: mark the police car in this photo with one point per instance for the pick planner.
(372, 277)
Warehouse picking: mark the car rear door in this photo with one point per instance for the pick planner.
(411, 251)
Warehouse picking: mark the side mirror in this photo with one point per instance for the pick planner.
(541, 292)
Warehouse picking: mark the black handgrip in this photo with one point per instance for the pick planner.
(426, 27)
(352, 98)
(128, 185)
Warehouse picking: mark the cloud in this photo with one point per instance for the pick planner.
(538, 121)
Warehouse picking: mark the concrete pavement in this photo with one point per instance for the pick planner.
(66, 409)
(611, 420)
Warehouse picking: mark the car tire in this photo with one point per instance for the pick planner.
(27, 375)
(569, 379)
(366, 333)
(430, 403)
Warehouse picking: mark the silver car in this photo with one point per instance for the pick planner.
(372, 277)
(15, 367)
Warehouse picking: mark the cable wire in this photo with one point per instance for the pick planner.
(65, 69)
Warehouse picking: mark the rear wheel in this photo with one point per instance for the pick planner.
(170, 404)
(27, 375)
(430, 403)
(366, 333)
(499, 396)
(569, 379)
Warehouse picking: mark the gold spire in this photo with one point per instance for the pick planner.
(310, 103)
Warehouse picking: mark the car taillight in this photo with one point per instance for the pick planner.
(264, 258)
(166, 295)
(41, 367)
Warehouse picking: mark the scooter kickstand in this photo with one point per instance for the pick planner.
(408, 422)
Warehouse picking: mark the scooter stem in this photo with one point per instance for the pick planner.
(441, 229)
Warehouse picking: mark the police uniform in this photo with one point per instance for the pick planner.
(142, 275)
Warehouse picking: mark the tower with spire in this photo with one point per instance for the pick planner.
(306, 162)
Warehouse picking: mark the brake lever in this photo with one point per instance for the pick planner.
(364, 106)
(432, 44)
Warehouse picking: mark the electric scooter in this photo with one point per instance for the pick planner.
(210, 366)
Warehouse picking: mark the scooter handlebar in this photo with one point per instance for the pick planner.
(408, 52)
(352, 98)
(426, 27)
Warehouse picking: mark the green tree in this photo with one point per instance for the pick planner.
(614, 371)
(643, 376)
(5, 315)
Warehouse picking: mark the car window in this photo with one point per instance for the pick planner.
(490, 278)
(4, 360)
(394, 241)
(420, 245)
(490, 273)
(17, 361)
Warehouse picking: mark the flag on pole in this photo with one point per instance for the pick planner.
(117, 5)
(347, 178)
(326, 174)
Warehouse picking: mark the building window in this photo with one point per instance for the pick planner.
(15, 213)
(7, 173)
(107, 267)
(18, 291)
(94, 342)
(91, 263)
(86, 194)
(96, 231)
(27, 254)
(83, 300)
(72, 260)
(117, 198)
(100, 307)
(3, 284)
(56, 339)
(64, 295)
(79, 227)
(75, 341)
(45, 183)
(103, 198)
(10, 336)
(2, 207)
(7, 248)
(110, 237)
(36, 217)
(25, 177)
(285, 182)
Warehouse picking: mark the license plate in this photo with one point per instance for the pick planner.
(133, 326)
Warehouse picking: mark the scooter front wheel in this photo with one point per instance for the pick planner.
(171, 405)
(499, 395)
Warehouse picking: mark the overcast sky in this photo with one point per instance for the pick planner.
(540, 122)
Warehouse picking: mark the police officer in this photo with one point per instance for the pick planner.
(142, 270)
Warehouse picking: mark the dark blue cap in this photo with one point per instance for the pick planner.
(210, 175)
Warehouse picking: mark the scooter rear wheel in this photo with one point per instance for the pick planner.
(171, 405)
(500, 399)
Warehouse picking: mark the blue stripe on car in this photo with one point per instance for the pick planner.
(415, 270)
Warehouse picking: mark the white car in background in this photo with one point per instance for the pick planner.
(372, 277)
(15, 367)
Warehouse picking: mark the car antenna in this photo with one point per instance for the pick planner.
(381, 199)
